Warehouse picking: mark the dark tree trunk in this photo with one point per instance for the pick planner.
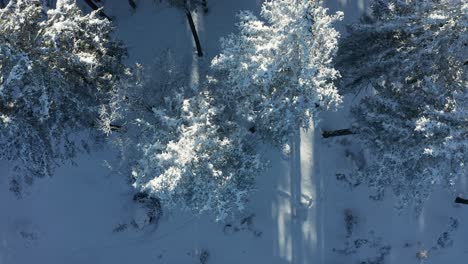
(194, 33)
(461, 200)
(95, 7)
(132, 4)
(336, 133)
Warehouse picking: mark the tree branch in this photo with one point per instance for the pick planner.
(115, 127)
(461, 200)
(95, 8)
(336, 133)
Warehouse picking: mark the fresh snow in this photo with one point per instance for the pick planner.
(84, 213)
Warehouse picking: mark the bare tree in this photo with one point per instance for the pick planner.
(188, 6)
(194, 33)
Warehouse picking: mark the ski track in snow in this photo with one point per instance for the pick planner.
(295, 216)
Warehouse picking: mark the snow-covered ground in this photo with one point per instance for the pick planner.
(304, 211)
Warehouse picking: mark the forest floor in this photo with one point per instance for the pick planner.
(303, 211)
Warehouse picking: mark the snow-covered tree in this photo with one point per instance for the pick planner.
(279, 71)
(56, 67)
(179, 146)
(411, 58)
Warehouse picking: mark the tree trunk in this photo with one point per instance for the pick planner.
(336, 133)
(132, 4)
(461, 200)
(194, 32)
(95, 7)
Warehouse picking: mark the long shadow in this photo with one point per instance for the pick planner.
(302, 220)
(295, 189)
(307, 200)
(307, 222)
(292, 208)
(324, 168)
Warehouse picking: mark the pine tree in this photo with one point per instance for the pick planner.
(56, 68)
(411, 59)
(178, 145)
(278, 71)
